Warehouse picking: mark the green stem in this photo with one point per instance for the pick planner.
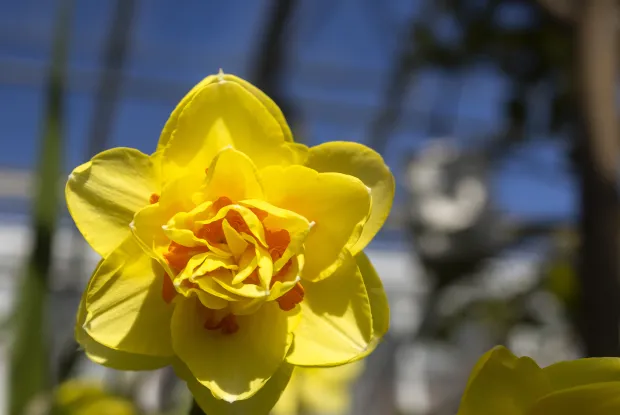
(195, 409)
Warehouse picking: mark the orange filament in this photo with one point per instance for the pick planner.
(228, 324)
(154, 198)
(221, 202)
(168, 292)
(293, 297)
(278, 242)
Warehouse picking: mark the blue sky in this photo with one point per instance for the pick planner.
(338, 62)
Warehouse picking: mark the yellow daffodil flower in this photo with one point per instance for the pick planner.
(501, 383)
(319, 390)
(231, 252)
(83, 397)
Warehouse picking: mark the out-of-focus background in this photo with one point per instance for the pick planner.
(497, 118)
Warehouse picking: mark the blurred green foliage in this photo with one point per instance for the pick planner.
(30, 365)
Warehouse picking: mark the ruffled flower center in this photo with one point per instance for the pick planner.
(234, 257)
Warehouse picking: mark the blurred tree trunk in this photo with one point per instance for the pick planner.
(598, 150)
(270, 57)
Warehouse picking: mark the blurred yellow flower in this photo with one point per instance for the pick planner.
(82, 397)
(319, 390)
(231, 252)
(501, 383)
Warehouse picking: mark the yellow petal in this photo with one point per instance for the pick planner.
(246, 306)
(287, 281)
(289, 404)
(231, 174)
(111, 358)
(177, 195)
(233, 366)
(263, 261)
(104, 194)
(296, 225)
(205, 262)
(211, 294)
(271, 106)
(235, 242)
(273, 109)
(337, 204)
(250, 219)
(219, 114)
(367, 165)
(171, 124)
(501, 383)
(327, 390)
(149, 223)
(225, 280)
(569, 374)
(188, 238)
(378, 300)
(301, 152)
(148, 233)
(125, 309)
(336, 322)
(210, 286)
(247, 264)
(594, 399)
(259, 404)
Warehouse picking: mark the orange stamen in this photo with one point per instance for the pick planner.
(278, 242)
(168, 292)
(154, 198)
(293, 297)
